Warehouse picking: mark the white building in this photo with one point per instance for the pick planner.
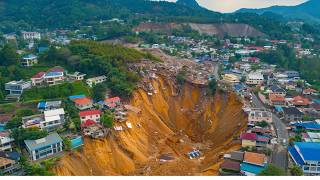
(29, 60)
(254, 78)
(77, 76)
(54, 78)
(5, 141)
(53, 119)
(96, 80)
(17, 87)
(31, 35)
(257, 115)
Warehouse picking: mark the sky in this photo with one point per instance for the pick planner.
(226, 6)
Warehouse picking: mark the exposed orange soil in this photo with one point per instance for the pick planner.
(172, 123)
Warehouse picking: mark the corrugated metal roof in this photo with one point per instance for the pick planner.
(53, 138)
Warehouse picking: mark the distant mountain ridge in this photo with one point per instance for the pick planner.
(190, 3)
(308, 11)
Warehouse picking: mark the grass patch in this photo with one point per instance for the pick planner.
(61, 91)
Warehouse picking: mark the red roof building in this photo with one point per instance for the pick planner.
(230, 165)
(83, 103)
(112, 100)
(277, 100)
(249, 136)
(300, 101)
(309, 91)
(38, 75)
(87, 123)
(93, 115)
(89, 113)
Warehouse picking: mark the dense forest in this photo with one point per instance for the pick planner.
(94, 59)
(16, 15)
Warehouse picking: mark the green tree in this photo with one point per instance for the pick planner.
(8, 56)
(262, 124)
(14, 123)
(213, 86)
(181, 75)
(107, 119)
(20, 134)
(296, 171)
(272, 170)
(24, 112)
(66, 144)
(99, 91)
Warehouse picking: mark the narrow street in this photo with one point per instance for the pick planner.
(279, 153)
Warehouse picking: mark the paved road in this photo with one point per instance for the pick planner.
(279, 153)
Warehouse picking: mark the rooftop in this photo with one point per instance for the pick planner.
(309, 150)
(255, 158)
(54, 112)
(254, 169)
(30, 56)
(292, 110)
(84, 100)
(230, 165)
(5, 118)
(5, 161)
(89, 112)
(39, 75)
(46, 141)
(249, 136)
(53, 74)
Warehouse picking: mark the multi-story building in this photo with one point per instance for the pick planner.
(53, 119)
(292, 114)
(77, 76)
(44, 147)
(93, 115)
(83, 103)
(254, 78)
(306, 155)
(54, 78)
(31, 35)
(231, 78)
(17, 87)
(6, 141)
(96, 80)
(8, 166)
(257, 115)
(38, 79)
(29, 60)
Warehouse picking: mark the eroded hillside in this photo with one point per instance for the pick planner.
(171, 123)
(232, 29)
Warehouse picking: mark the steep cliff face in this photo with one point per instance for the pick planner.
(171, 123)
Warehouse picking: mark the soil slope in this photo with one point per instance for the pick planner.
(232, 29)
(171, 123)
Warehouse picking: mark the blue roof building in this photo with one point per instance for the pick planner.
(309, 125)
(44, 147)
(307, 156)
(77, 96)
(251, 169)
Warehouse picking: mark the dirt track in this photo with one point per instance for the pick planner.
(170, 123)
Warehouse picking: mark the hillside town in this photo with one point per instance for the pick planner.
(283, 108)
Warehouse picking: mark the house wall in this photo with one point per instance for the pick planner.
(292, 117)
(46, 151)
(95, 118)
(248, 143)
(84, 106)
